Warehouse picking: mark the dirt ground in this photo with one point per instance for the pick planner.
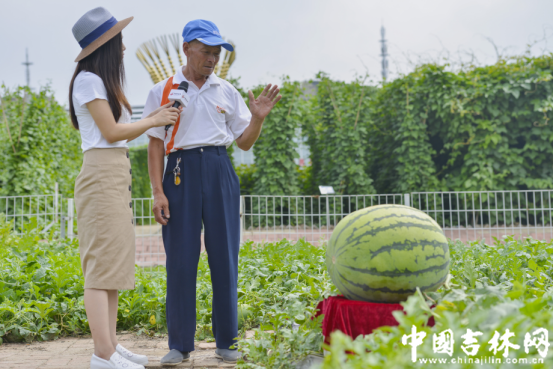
(75, 353)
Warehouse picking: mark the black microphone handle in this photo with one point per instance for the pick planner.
(175, 105)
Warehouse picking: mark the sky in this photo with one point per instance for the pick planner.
(295, 38)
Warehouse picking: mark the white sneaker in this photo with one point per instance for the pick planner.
(116, 361)
(131, 356)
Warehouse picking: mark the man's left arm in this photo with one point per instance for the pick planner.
(260, 108)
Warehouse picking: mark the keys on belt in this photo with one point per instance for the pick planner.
(176, 173)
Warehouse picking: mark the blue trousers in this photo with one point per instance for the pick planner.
(209, 192)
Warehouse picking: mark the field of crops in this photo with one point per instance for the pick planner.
(495, 288)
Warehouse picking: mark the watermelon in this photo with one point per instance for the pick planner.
(383, 253)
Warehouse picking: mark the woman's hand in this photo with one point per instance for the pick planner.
(113, 132)
(159, 109)
(165, 115)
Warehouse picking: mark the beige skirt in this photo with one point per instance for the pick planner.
(105, 219)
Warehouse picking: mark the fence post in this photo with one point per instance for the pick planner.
(242, 216)
(70, 214)
(407, 199)
(56, 200)
(62, 227)
(327, 214)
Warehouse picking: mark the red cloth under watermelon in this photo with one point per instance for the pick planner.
(356, 318)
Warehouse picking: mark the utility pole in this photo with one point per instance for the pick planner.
(384, 53)
(27, 64)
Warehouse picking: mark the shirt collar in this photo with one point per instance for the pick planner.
(179, 77)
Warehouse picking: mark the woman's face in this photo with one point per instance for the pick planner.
(124, 48)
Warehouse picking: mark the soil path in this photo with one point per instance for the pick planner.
(75, 353)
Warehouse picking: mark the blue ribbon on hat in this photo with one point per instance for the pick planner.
(103, 28)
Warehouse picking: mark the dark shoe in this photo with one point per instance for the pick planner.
(228, 356)
(175, 357)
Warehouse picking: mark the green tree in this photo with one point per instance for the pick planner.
(38, 144)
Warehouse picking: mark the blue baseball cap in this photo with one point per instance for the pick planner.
(206, 32)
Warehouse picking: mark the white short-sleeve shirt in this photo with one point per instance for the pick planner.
(216, 114)
(86, 88)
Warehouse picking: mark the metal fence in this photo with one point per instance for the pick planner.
(483, 215)
(312, 218)
(31, 211)
(48, 213)
(468, 216)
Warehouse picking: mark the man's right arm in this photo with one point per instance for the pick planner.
(155, 169)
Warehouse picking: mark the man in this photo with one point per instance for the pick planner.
(200, 187)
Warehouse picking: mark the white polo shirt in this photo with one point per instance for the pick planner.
(216, 114)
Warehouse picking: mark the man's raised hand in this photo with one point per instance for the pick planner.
(267, 99)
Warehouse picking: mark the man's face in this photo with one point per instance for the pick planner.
(201, 58)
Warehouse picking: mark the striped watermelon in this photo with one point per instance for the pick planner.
(382, 253)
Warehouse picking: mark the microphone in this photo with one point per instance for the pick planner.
(180, 97)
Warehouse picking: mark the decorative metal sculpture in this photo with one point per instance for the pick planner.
(150, 57)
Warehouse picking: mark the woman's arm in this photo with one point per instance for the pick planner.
(113, 132)
(134, 138)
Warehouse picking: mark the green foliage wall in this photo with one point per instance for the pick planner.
(141, 186)
(275, 150)
(236, 83)
(337, 136)
(481, 128)
(246, 176)
(38, 144)
(484, 128)
(398, 140)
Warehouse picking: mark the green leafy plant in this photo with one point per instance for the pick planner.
(493, 288)
(245, 175)
(41, 290)
(337, 136)
(235, 81)
(275, 150)
(306, 183)
(141, 187)
(507, 285)
(480, 128)
(38, 144)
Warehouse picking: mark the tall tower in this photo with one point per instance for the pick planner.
(384, 53)
(27, 64)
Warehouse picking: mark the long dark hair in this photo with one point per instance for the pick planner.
(107, 63)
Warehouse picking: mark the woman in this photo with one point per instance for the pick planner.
(103, 188)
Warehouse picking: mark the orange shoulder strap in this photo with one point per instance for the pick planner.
(164, 100)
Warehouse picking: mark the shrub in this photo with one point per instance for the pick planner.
(246, 176)
(141, 186)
